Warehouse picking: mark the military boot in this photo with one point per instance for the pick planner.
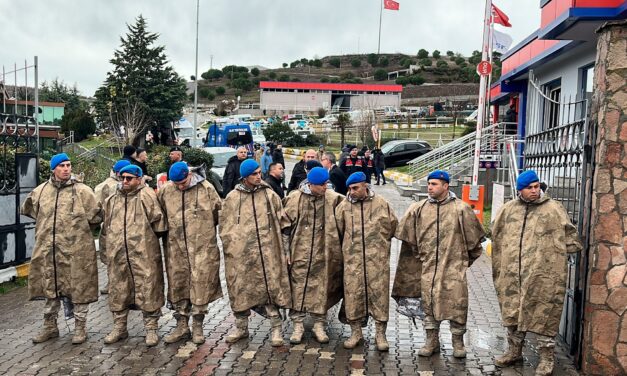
(459, 351)
(514, 350)
(180, 332)
(356, 336)
(80, 334)
(432, 344)
(50, 329)
(198, 337)
(319, 332)
(381, 341)
(276, 338)
(547, 361)
(119, 331)
(151, 324)
(297, 333)
(240, 331)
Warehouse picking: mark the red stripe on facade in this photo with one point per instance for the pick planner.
(328, 86)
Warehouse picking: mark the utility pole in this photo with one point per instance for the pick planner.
(211, 62)
(380, 18)
(193, 143)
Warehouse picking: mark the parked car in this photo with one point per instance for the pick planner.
(221, 155)
(399, 152)
(329, 119)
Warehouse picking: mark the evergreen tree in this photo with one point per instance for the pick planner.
(141, 75)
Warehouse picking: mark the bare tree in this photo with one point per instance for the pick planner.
(343, 121)
(130, 122)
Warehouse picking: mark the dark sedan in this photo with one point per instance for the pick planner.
(399, 152)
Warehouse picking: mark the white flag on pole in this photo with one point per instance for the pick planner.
(501, 42)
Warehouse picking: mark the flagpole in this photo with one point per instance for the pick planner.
(380, 18)
(482, 95)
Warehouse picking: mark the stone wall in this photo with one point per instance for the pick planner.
(605, 321)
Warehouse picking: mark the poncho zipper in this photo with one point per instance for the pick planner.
(522, 234)
(185, 236)
(437, 251)
(54, 244)
(263, 265)
(128, 260)
(363, 249)
(313, 237)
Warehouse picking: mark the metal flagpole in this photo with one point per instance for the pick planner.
(482, 94)
(380, 18)
(196, 78)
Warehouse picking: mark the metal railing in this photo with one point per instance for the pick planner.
(456, 156)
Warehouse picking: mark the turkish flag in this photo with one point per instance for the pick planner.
(499, 17)
(390, 4)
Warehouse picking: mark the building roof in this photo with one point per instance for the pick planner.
(329, 86)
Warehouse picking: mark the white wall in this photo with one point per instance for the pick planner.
(286, 101)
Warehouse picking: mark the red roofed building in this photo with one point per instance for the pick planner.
(310, 96)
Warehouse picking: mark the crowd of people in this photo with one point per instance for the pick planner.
(325, 240)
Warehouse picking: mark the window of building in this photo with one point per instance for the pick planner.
(551, 108)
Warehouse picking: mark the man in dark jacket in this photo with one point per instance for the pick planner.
(275, 178)
(336, 176)
(379, 166)
(176, 155)
(231, 172)
(368, 166)
(299, 173)
(353, 163)
(277, 155)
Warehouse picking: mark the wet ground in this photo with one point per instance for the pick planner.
(21, 319)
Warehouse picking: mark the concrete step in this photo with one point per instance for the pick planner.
(419, 196)
(406, 190)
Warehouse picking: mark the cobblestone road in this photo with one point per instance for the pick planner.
(21, 319)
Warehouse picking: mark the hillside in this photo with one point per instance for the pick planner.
(432, 76)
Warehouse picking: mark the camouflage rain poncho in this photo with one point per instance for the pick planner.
(530, 242)
(447, 239)
(192, 257)
(366, 229)
(131, 223)
(63, 263)
(255, 265)
(315, 250)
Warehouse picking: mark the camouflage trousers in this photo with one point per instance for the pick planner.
(456, 328)
(271, 310)
(185, 308)
(518, 338)
(52, 307)
(298, 316)
(151, 319)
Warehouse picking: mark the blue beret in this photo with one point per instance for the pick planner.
(525, 179)
(133, 170)
(439, 174)
(248, 167)
(318, 176)
(356, 177)
(309, 165)
(120, 165)
(58, 159)
(178, 171)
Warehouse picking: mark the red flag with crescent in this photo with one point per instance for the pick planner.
(390, 4)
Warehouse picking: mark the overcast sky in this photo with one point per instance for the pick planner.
(75, 39)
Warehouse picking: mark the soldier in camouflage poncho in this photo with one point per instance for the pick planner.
(314, 252)
(531, 238)
(446, 235)
(102, 191)
(366, 223)
(133, 220)
(254, 262)
(63, 264)
(192, 257)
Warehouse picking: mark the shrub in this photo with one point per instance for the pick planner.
(436, 54)
(356, 63)
(285, 65)
(272, 75)
(441, 64)
(255, 71)
(384, 61)
(321, 112)
(159, 160)
(317, 63)
(373, 59)
(284, 78)
(380, 75)
(335, 62)
(423, 54)
(220, 90)
(425, 62)
(324, 79)
(79, 121)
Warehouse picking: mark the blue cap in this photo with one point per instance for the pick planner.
(356, 177)
(525, 179)
(439, 174)
(318, 176)
(57, 159)
(120, 165)
(133, 170)
(248, 167)
(178, 171)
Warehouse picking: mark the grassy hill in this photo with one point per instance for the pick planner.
(440, 73)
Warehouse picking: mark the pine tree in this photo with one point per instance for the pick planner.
(140, 76)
